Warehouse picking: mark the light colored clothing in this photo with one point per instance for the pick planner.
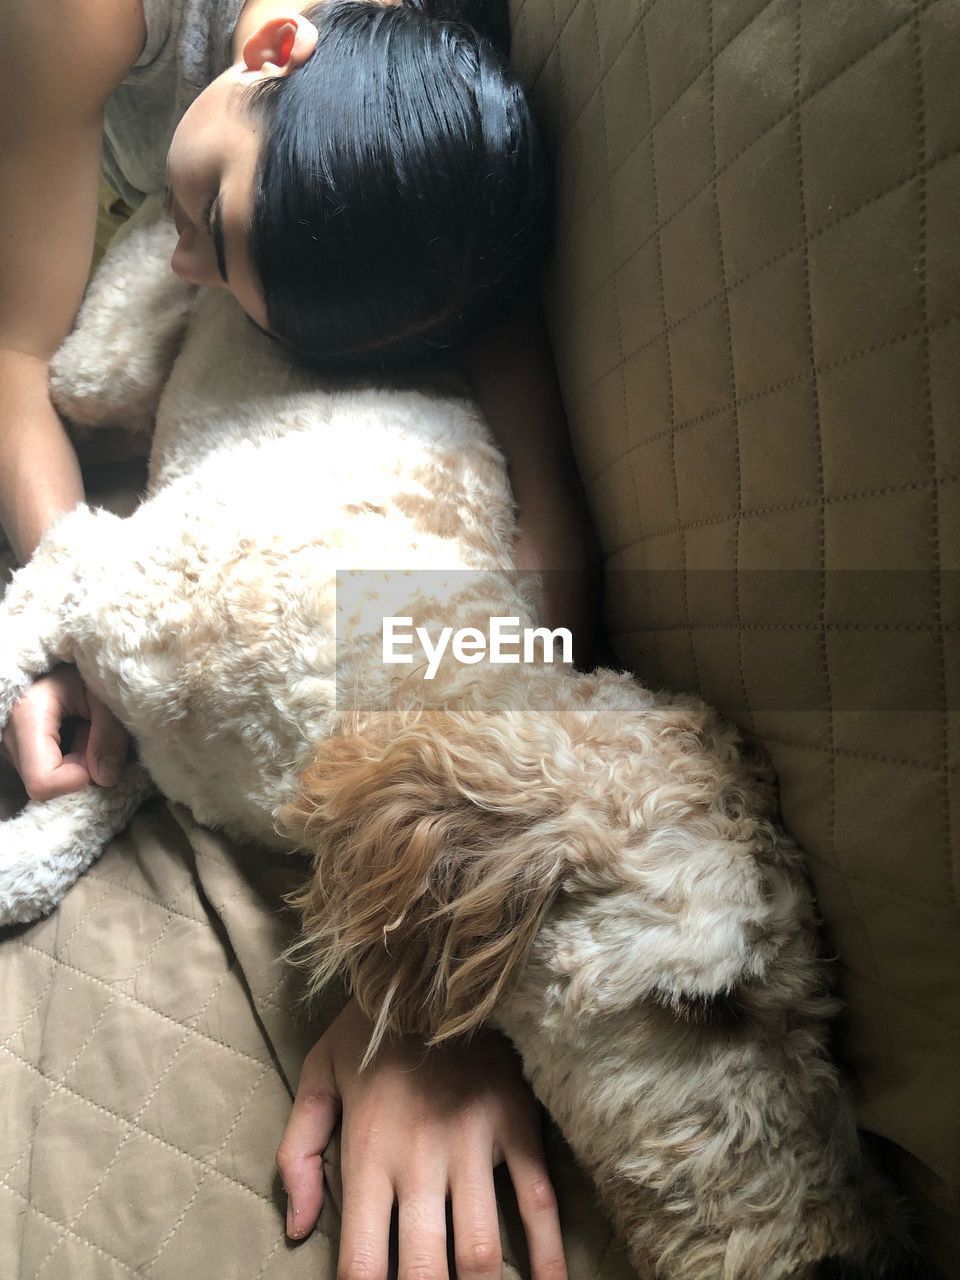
(188, 44)
(112, 213)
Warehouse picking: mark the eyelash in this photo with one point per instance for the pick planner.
(208, 209)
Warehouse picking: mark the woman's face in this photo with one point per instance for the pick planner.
(212, 162)
(210, 173)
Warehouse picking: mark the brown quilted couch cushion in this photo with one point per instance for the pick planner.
(755, 303)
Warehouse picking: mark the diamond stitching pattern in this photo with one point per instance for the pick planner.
(779, 268)
(773, 261)
(86, 1227)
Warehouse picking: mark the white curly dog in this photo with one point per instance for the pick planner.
(591, 866)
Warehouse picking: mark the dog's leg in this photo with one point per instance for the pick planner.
(723, 1151)
(49, 844)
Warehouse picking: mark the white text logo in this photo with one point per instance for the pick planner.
(507, 642)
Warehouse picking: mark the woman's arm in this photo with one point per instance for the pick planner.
(58, 64)
(515, 381)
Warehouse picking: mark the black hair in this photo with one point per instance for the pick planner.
(402, 197)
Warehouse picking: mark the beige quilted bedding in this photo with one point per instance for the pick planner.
(148, 1055)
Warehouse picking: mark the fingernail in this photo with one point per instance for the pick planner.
(292, 1229)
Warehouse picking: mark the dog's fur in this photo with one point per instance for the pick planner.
(591, 866)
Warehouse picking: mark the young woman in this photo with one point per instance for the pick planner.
(365, 179)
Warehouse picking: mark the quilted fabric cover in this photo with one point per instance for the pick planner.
(150, 1044)
(755, 303)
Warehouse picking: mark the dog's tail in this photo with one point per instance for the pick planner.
(49, 844)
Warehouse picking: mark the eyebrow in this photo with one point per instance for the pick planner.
(216, 231)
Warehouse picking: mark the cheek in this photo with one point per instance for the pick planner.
(178, 163)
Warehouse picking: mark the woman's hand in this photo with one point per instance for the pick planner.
(419, 1125)
(32, 738)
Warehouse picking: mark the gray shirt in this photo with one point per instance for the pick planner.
(188, 44)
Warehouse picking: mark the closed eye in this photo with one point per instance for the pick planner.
(207, 211)
(213, 221)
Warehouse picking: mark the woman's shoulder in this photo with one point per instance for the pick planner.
(77, 51)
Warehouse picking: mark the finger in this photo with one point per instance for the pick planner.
(422, 1231)
(78, 747)
(365, 1223)
(107, 749)
(63, 686)
(33, 735)
(36, 746)
(539, 1212)
(476, 1225)
(311, 1124)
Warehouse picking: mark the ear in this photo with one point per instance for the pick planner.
(442, 839)
(435, 862)
(280, 46)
